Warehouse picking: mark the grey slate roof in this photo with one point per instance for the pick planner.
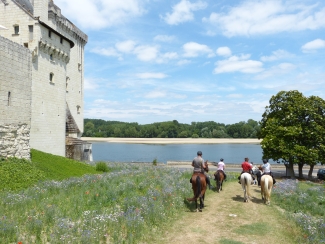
(26, 4)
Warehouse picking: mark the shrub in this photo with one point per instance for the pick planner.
(154, 162)
(102, 166)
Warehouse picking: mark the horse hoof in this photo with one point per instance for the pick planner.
(200, 210)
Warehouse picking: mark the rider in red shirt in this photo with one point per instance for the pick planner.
(247, 168)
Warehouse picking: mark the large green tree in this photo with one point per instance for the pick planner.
(293, 130)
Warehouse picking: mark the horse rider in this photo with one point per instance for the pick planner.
(247, 168)
(199, 166)
(222, 167)
(266, 168)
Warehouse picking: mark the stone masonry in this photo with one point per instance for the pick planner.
(15, 99)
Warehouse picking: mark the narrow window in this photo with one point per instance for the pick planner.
(78, 109)
(51, 77)
(50, 34)
(79, 66)
(26, 44)
(9, 98)
(66, 83)
(61, 40)
(31, 32)
(51, 57)
(16, 29)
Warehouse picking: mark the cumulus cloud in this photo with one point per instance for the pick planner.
(277, 70)
(146, 53)
(224, 51)
(183, 12)
(268, 17)
(99, 14)
(151, 75)
(155, 94)
(313, 45)
(109, 52)
(126, 46)
(164, 38)
(193, 49)
(276, 55)
(238, 64)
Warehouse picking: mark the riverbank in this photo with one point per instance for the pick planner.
(173, 140)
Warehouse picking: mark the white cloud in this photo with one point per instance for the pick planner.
(151, 75)
(238, 64)
(99, 14)
(313, 45)
(276, 55)
(278, 70)
(224, 51)
(146, 53)
(193, 49)
(126, 46)
(164, 38)
(183, 12)
(90, 84)
(183, 62)
(155, 94)
(109, 52)
(267, 17)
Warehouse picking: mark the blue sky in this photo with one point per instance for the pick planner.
(189, 60)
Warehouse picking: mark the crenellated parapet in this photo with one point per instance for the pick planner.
(64, 24)
(58, 53)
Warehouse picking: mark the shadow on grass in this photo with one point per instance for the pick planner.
(228, 241)
(191, 205)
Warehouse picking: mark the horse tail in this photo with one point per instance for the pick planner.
(198, 186)
(266, 188)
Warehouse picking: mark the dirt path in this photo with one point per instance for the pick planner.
(226, 219)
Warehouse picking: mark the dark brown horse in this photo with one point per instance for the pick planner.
(219, 177)
(199, 186)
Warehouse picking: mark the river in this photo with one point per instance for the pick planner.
(128, 152)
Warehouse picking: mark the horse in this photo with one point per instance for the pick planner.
(266, 188)
(219, 177)
(258, 172)
(199, 186)
(245, 180)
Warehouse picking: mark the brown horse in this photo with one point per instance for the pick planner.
(199, 187)
(219, 177)
(266, 188)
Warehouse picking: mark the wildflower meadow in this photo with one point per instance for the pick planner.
(305, 203)
(121, 206)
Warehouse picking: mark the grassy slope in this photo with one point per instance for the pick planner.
(19, 174)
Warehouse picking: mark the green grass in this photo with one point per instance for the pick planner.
(17, 174)
(59, 168)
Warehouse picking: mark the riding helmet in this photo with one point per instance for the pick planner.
(265, 160)
(199, 153)
(221, 159)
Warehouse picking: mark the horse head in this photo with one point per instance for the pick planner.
(206, 169)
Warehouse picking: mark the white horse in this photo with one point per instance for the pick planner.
(266, 188)
(245, 180)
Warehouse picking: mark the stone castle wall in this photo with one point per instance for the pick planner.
(15, 99)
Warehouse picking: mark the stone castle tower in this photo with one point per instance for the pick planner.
(56, 47)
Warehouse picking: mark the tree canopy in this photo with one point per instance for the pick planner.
(170, 129)
(293, 130)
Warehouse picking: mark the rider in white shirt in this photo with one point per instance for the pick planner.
(266, 167)
(222, 167)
